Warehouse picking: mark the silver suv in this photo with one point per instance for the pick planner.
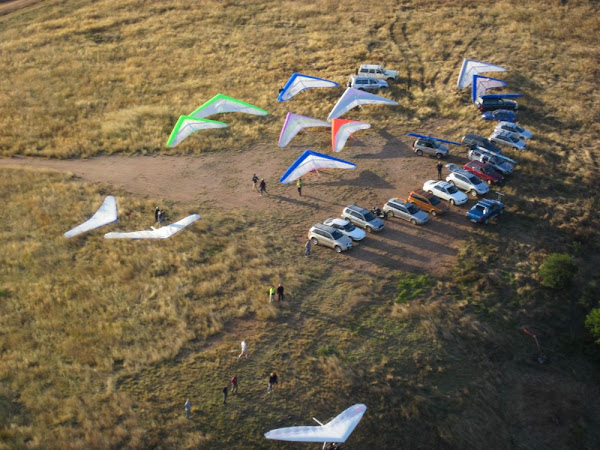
(430, 147)
(366, 84)
(363, 218)
(376, 71)
(320, 234)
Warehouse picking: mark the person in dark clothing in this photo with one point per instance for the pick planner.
(234, 384)
(225, 390)
(255, 183)
(263, 187)
(156, 214)
(439, 170)
(279, 292)
(272, 382)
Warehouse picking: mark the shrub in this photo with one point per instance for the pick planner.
(592, 323)
(558, 270)
(411, 286)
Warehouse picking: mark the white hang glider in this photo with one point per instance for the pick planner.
(341, 130)
(310, 161)
(352, 98)
(472, 67)
(299, 82)
(294, 123)
(107, 213)
(220, 104)
(187, 125)
(337, 430)
(482, 84)
(156, 233)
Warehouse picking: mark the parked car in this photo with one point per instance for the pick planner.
(397, 207)
(376, 71)
(484, 171)
(502, 166)
(485, 210)
(466, 181)
(427, 202)
(430, 147)
(321, 234)
(492, 104)
(473, 140)
(362, 218)
(514, 128)
(445, 191)
(346, 228)
(366, 84)
(508, 138)
(500, 114)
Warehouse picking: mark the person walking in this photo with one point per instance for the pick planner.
(263, 187)
(255, 183)
(244, 350)
(188, 408)
(234, 384)
(439, 170)
(225, 391)
(271, 295)
(307, 248)
(299, 185)
(279, 292)
(272, 382)
(156, 214)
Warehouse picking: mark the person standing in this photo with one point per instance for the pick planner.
(279, 292)
(188, 408)
(156, 213)
(234, 384)
(263, 187)
(254, 183)
(439, 170)
(225, 391)
(307, 248)
(271, 295)
(244, 350)
(272, 382)
(299, 185)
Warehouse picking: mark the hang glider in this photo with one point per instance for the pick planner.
(294, 123)
(337, 430)
(220, 104)
(187, 125)
(156, 233)
(299, 82)
(424, 136)
(497, 155)
(107, 213)
(351, 98)
(472, 67)
(310, 161)
(341, 130)
(482, 84)
(501, 96)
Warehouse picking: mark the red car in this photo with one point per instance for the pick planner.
(484, 171)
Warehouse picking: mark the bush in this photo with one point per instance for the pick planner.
(558, 270)
(592, 323)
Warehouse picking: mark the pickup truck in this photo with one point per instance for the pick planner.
(485, 210)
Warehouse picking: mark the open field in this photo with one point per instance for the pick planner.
(103, 341)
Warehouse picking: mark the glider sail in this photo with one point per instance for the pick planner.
(472, 67)
(351, 98)
(107, 213)
(482, 84)
(156, 233)
(342, 129)
(337, 430)
(222, 104)
(294, 123)
(187, 125)
(310, 161)
(299, 82)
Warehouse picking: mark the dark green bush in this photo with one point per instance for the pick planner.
(592, 323)
(558, 270)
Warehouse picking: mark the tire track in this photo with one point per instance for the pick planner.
(421, 67)
(394, 39)
(464, 51)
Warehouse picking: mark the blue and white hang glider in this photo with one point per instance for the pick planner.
(294, 123)
(156, 233)
(472, 67)
(502, 96)
(107, 213)
(352, 98)
(310, 161)
(337, 430)
(482, 84)
(299, 82)
(424, 136)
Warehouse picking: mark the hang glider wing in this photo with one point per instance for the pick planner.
(107, 213)
(187, 125)
(502, 96)
(337, 430)
(294, 123)
(341, 130)
(310, 161)
(472, 67)
(424, 136)
(482, 84)
(156, 233)
(351, 98)
(299, 82)
(222, 104)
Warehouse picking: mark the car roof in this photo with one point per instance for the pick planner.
(462, 172)
(370, 66)
(477, 164)
(357, 208)
(338, 221)
(443, 184)
(324, 227)
(422, 193)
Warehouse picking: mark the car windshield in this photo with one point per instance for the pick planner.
(434, 200)
(514, 139)
(369, 216)
(452, 190)
(412, 209)
(488, 170)
(474, 180)
(349, 227)
(336, 234)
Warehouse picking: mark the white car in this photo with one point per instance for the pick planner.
(346, 228)
(367, 84)
(445, 191)
(376, 71)
(514, 128)
(508, 138)
(466, 181)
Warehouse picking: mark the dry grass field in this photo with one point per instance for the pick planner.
(102, 341)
